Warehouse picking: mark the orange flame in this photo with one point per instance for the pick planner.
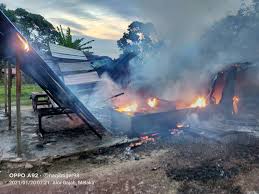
(129, 109)
(235, 104)
(26, 46)
(152, 102)
(143, 140)
(199, 103)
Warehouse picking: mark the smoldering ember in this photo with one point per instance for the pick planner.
(129, 97)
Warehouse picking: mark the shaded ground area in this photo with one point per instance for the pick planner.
(66, 136)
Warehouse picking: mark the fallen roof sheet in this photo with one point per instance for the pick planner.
(66, 53)
(37, 68)
(72, 67)
(81, 78)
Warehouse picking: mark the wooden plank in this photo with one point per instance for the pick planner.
(66, 53)
(18, 107)
(9, 88)
(5, 87)
(70, 67)
(83, 78)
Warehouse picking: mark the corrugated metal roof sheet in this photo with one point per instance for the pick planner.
(81, 78)
(66, 53)
(71, 67)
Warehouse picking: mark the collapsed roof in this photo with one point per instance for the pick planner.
(38, 69)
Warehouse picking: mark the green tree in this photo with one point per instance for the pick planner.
(139, 44)
(138, 36)
(66, 39)
(140, 39)
(38, 31)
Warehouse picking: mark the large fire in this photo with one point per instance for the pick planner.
(129, 109)
(153, 103)
(200, 102)
(26, 46)
(140, 105)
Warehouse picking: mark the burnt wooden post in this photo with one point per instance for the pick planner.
(229, 91)
(9, 86)
(5, 87)
(18, 107)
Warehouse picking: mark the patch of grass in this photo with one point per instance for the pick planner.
(27, 89)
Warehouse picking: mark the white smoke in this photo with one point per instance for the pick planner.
(182, 21)
(178, 71)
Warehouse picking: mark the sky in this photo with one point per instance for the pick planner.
(179, 21)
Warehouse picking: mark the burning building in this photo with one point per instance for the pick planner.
(144, 112)
(232, 93)
(235, 87)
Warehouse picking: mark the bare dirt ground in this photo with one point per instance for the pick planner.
(64, 137)
(224, 159)
(174, 164)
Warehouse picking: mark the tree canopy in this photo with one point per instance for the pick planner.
(142, 42)
(40, 32)
(33, 26)
(140, 38)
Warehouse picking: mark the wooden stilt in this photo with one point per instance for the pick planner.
(2, 65)
(5, 87)
(9, 92)
(18, 107)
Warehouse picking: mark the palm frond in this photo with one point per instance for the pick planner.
(67, 40)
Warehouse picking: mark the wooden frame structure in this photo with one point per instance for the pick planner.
(15, 46)
(7, 77)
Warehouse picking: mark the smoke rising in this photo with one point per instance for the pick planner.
(180, 68)
(182, 21)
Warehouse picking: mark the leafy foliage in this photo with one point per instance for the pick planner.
(234, 38)
(33, 26)
(140, 44)
(65, 39)
(140, 38)
(27, 89)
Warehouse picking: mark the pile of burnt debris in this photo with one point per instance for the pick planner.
(203, 173)
(213, 167)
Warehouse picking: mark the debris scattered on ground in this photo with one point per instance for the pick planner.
(28, 166)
